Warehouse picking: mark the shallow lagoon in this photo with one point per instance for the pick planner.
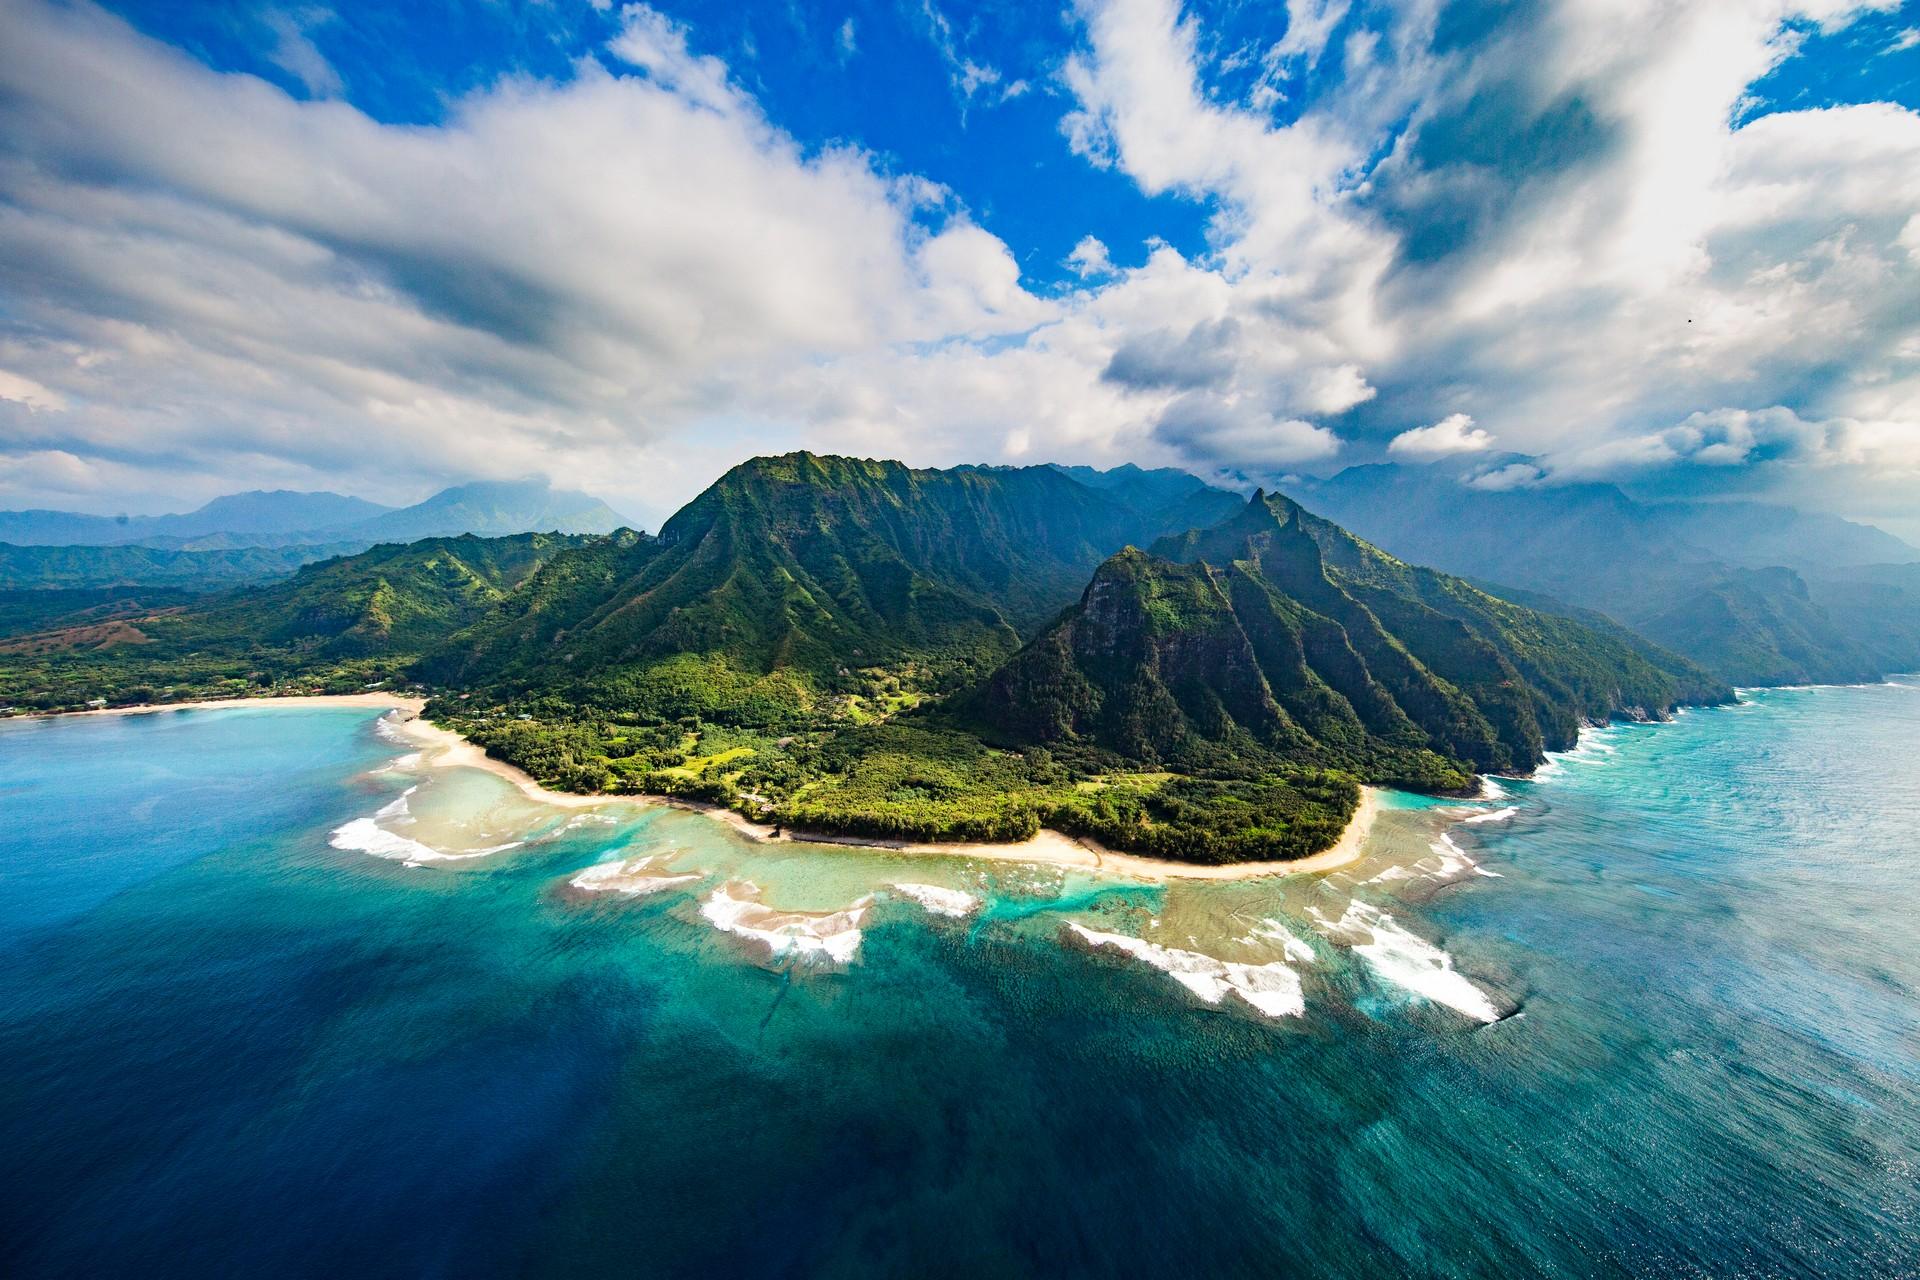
(231, 1046)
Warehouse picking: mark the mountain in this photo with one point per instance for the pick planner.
(273, 515)
(835, 645)
(84, 567)
(1763, 625)
(1178, 499)
(492, 508)
(772, 588)
(333, 623)
(283, 518)
(1279, 636)
(1760, 535)
(1696, 577)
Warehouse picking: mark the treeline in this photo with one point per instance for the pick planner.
(922, 781)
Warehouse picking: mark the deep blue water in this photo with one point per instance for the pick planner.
(228, 1048)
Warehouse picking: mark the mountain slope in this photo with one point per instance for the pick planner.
(336, 624)
(83, 567)
(789, 576)
(492, 509)
(283, 518)
(266, 517)
(1681, 574)
(1278, 636)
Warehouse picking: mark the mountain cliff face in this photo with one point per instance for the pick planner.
(1741, 588)
(764, 592)
(1278, 635)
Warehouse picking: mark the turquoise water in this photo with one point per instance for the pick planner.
(229, 1047)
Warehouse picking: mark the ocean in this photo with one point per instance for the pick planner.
(277, 1000)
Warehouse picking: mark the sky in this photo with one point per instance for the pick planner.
(382, 248)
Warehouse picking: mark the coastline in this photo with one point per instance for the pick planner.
(1049, 847)
(1056, 848)
(444, 748)
(391, 701)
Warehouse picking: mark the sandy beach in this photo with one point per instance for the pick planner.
(1056, 848)
(445, 749)
(393, 701)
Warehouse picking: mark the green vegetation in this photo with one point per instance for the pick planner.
(1276, 638)
(334, 627)
(798, 580)
(836, 646)
(78, 568)
(923, 782)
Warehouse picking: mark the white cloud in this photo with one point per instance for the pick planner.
(1515, 475)
(217, 277)
(28, 392)
(1453, 434)
(1089, 258)
(632, 278)
(295, 53)
(657, 44)
(1310, 25)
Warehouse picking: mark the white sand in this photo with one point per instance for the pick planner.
(444, 749)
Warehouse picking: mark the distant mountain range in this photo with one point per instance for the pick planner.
(283, 517)
(1277, 633)
(259, 536)
(1758, 594)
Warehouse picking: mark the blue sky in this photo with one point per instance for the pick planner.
(379, 248)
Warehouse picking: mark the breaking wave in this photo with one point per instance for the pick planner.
(1407, 960)
(831, 935)
(1269, 989)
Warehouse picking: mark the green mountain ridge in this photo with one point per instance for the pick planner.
(1758, 594)
(768, 591)
(1277, 636)
(341, 622)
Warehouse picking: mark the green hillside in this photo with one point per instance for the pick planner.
(1278, 637)
(334, 625)
(797, 580)
(79, 568)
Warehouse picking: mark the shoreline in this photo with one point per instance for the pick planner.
(444, 748)
(391, 701)
(1056, 848)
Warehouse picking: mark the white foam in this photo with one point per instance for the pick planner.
(397, 807)
(1292, 946)
(626, 877)
(1447, 862)
(939, 901)
(1498, 815)
(1407, 960)
(1269, 989)
(834, 935)
(364, 835)
(1491, 790)
(388, 727)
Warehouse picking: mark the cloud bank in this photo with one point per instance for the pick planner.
(1572, 232)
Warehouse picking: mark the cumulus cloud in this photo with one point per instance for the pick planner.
(1454, 433)
(1565, 226)
(1089, 256)
(1515, 475)
(1574, 234)
(559, 279)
